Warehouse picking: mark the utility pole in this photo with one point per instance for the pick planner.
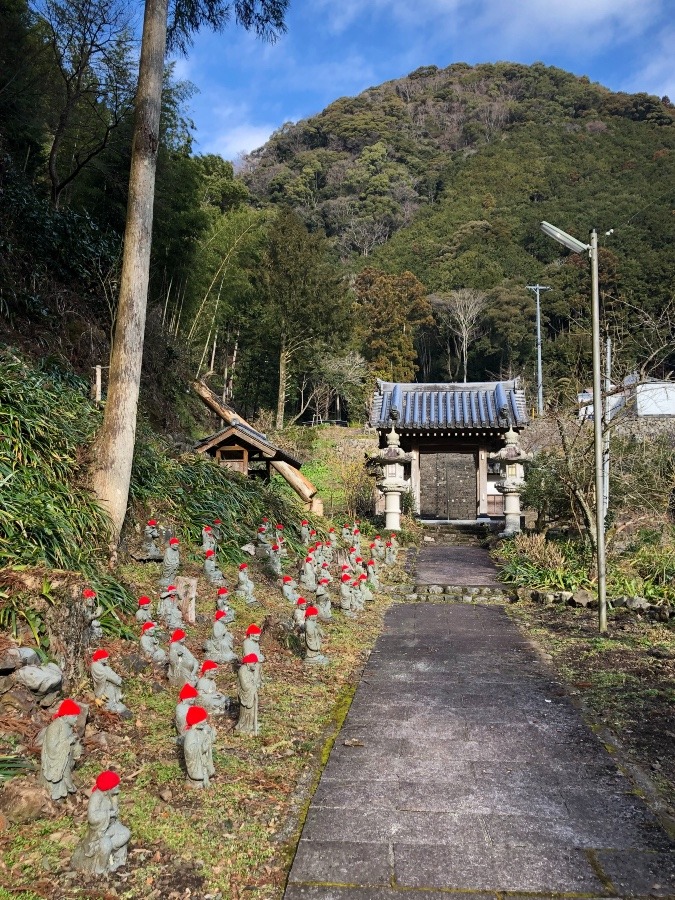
(540, 380)
(605, 436)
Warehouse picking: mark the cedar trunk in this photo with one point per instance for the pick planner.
(115, 442)
(283, 382)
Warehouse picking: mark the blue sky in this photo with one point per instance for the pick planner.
(337, 48)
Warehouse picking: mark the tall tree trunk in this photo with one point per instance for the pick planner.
(283, 380)
(115, 442)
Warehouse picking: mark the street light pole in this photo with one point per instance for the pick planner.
(540, 379)
(577, 246)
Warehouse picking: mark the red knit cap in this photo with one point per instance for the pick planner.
(346, 577)
(357, 531)
(188, 692)
(308, 559)
(304, 522)
(300, 601)
(178, 635)
(243, 566)
(359, 559)
(222, 591)
(195, 715)
(106, 781)
(174, 540)
(372, 546)
(323, 581)
(388, 544)
(144, 601)
(371, 562)
(67, 708)
(286, 579)
(312, 532)
(279, 527)
(217, 522)
(352, 549)
(147, 626)
(220, 614)
(253, 629)
(324, 565)
(265, 519)
(261, 528)
(206, 528)
(311, 611)
(152, 522)
(249, 658)
(100, 654)
(331, 530)
(208, 665)
(275, 546)
(363, 576)
(87, 593)
(172, 589)
(377, 537)
(209, 554)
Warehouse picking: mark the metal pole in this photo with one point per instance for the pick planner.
(540, 380)
(605, 435)
(597, 437)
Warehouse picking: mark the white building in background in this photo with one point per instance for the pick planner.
(643, 399)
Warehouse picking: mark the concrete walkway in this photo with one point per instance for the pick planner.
(462, 767)
(461, 565)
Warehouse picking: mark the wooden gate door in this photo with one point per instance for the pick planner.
(448, 486)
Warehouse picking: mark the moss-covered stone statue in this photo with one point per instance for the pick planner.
(187, 697)
(169, 611)
(346, 595)
(308, 575)
(151, 535)
(209, 696)
(220, 646)
(103, 849)
(323, 601)
(149, 644)
(183, 666)
(313, 638)
(390, 554)
(107, 684)
(223, 605)
(252, 642)
(289, 589)
(249, 678)
(208, 539)
(61, 749)
(304, 532)
(299, 614)
(144, 611)
(170, 563)
(198, 748)
(211, 571)
(245, 587)
(373, 578)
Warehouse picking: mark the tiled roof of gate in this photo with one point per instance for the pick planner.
(473, 405)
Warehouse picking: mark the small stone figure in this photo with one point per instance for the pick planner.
(372, 574)
(318, 555)
(299, 614)
(274, 556)
(92, 611)
(220, 646)
(188, 697)
(144, 611)
(346, 595)
(103, 849)
(169, 612)
(198, 748)
(352, 554)
(222, 603)
(211, 570)
(209, 695)
(325, 572)
(252, 642)
(313, 637)
(394, 541)
(304, 532)
(346, 569)
(263, 538)
(248, 677)
(390, 554)
(245, 586)
(280, 539)
(358, 565)
(308, 576)
(378, 548)
(328, 550)
(44, 681)
(366, 592)
(357, 595)
(323, 601)
(150, 645)
(356, 538)
(60, 751)
(288, 589)
(183, 667)
(170, 563)
(107, 684)
(150, 549)
(346, 534)
(215, 531)
(208, 540)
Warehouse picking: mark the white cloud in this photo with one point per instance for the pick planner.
(655, 73)
(242, 138)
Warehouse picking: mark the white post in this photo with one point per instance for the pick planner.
(597, 437)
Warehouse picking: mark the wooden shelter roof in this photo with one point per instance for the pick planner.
(251, 438)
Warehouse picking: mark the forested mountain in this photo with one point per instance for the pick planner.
(447, 173)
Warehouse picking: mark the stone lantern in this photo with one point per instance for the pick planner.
(511, 458)
(388, 464)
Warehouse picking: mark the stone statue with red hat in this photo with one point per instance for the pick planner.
(149, 644)
(169, 611)
(103, 848)
(390, 554)
(170, 563)
(209, 695)
(299, 614)
(211, 570)
(371, 568)
(183, 666)
(274, 558)
(249, 679)
(252, 642)
(308, 576)
(144, 611)
(93, 610)
(304, 532)
(198, 747)
(289, 589)
(313, 638)
(107, 684)
(150, 549)
(245, 587)
(323, 600)
(208, 538)
(61, 749)
(220, 646)
(346, 595)
(188, 696)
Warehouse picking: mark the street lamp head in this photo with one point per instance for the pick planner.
(562, 237)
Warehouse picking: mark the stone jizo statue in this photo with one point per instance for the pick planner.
(245, 587)
(357, 595)
(150, 645)
(61, 749)
(389, 554)
(93, 610)
(216, 531)
(351, 556)
(170, 563)
(356, 538)
(346, 595)
(372, 574)
(347, 534)
(107, 684)
(183, 666)
(209, 695)
(220, 646)
(274, 557)
(378, 548)
(329, 549)
(211, 570)
(252, 642)
(323, 600)
(150, 549)
(144, 611)
(248, 677)
(263, 536)
(288, 589)
(103, 849)
(313, 638)
(299, 614)
(308, 576)
(325, 572)
(208, 539)
(366, 593)
(169, 611)
(223, 604)
(198, 748)
(304, 532)
(188, 697)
